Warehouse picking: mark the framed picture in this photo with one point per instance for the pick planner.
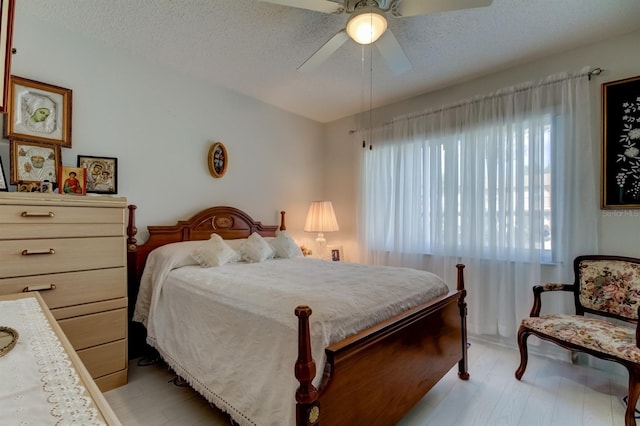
(336, 253)
(102, 174)
(217, 160)
(73, 180)
(3, 180)
(7, 8)
(33, 162)
(38, 112)
(621, 144)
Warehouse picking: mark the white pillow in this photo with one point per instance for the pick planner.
(236, 243)
(285, 246)
(175, 255)
(256, 249)
(214, 252)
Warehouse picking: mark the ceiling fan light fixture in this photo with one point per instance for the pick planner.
(367, 26)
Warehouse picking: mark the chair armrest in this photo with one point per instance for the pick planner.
(638, 329)
(539, 289)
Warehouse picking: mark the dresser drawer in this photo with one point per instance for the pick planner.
(31, 214)
(72, 288)
(42, 230)
(24, 221)
(105, 359)
(31, 257)
(95, 329)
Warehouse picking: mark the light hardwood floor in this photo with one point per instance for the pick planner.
(550, 393)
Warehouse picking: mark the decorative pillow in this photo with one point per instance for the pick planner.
(214, 252)
(256, 249)
(285, 246)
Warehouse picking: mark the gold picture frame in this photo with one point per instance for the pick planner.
(7, 8)
(38, 112)
(218, 160)
(33, 162)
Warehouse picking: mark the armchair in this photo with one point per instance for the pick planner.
(606, 288)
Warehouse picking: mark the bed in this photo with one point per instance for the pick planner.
(373, 372)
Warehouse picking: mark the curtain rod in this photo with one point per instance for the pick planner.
(595, 71)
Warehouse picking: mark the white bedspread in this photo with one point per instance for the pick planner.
(231, 331)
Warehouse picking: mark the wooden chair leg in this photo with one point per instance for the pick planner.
(523, 334)
(634, 392)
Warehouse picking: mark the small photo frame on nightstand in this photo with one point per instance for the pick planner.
(335, 253)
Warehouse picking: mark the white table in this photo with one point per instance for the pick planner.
(43, 380)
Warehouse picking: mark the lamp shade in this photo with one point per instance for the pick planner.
(367, 26)
(321, 218)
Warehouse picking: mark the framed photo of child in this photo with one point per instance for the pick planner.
(72, 180)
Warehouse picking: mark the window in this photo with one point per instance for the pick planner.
(484, 192)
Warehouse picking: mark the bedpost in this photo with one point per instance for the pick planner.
(131, 227)
(132, 247)
(283, 227)
(463, 365)
(307, 407)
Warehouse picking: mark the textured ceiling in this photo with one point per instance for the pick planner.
(255, 48)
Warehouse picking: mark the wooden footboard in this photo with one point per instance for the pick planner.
(379, 374)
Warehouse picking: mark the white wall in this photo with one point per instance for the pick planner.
(160, 125)
(618, 231)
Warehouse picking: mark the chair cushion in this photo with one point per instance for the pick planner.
(592, 333)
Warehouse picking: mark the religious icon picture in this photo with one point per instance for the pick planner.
(72, 180)
(33, 162)
(102, 174)
(38, 112)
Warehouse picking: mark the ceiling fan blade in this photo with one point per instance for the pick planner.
(325, 6)
(424, 7)
(393, 53)
(325, 51)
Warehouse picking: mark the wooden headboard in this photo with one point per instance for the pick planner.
(230, 223)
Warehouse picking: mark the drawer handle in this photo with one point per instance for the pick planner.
(31, 253)
(39, 288)
(37, 214)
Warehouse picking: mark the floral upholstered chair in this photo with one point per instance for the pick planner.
(606, 287)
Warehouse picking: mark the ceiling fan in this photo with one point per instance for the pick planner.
(368, 24)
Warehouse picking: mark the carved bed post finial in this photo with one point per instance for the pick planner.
(131, 227)
(307, 407)
(283, 227)
(460, 268)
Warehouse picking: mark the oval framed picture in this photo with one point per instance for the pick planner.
(217, 160)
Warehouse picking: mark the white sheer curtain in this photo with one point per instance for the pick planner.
(503, 183)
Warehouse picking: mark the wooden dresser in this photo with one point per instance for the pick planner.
(72, 249)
